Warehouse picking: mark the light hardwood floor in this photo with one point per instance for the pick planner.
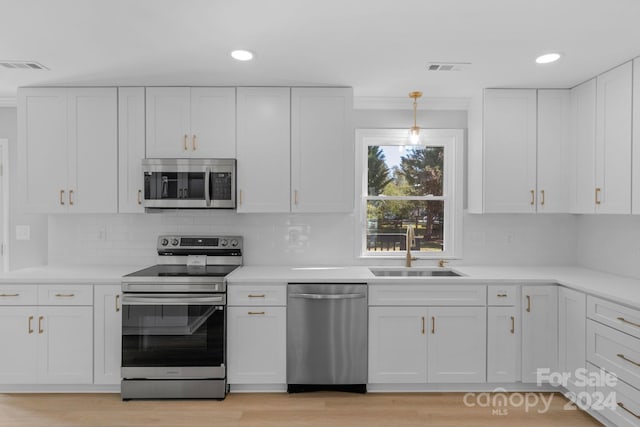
(318, 409)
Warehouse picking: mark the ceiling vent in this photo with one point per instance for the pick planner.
(448, 66)
(22, 65)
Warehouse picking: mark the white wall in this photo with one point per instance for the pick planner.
(34, 251)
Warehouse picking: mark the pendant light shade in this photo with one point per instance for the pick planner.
(414, 131)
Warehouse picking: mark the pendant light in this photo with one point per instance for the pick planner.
(414, 131)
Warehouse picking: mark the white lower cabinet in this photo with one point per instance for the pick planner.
(19, 354)
(503, 344)
(572, 313)
(108, 334)
(539, 330)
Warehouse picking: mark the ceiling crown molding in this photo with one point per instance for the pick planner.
(398, 103)
(8, 101)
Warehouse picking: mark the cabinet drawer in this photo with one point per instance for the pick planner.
(626, 399)
(65, 295)
(428, 295)
(614, 351)
(506, 295)
(18, 294)
(273, 295)
(615, 315)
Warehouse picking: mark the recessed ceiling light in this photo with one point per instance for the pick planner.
(242, 55)
(547, 58)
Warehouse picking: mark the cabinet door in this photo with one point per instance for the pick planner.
(503, 345)
(257, 345)
(397, 345)
(510, 150)
(263, 149)
(539, 330)
(582, 183)
(213, 122)
(572, 314)
(93, 150)
(553, 151)
(613, 140)
(42, 149)
(636, 138)
(19, 335)
(65, 345)
(130, 149)
(168, 122)
(322, 150)
(107, 334)
(456, 348)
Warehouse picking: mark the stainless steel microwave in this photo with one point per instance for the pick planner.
(189, 183)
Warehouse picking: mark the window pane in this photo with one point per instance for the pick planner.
(405, 170)
(387, 222)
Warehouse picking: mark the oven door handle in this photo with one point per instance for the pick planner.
(171, 300)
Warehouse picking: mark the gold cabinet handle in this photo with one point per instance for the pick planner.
(9, 295)
(30, 325)
(513, 325)
(433, 324)
(528, 304)
(139, 197)
(194, 146)
(502, 295)
(185, 142)
(62, 197)
(255, 313)
(598, 190)
(423, 325)
(65, 295)
(256, 296)
(542, 194)
(622, 319)
(71, 197)
(40, 329)
(117, 303)
(620, 404)
(240, 198)
(626, 359)
(295, 197)
(533, 197)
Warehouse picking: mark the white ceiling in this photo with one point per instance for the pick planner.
(380, 47)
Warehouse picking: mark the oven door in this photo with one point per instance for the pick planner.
(173, 336)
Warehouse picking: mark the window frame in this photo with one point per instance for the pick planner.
(452, 191)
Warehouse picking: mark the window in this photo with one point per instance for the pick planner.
(407, 185)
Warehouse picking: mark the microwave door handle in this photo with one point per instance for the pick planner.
(207, 187)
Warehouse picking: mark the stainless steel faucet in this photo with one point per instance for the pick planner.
(411, 240)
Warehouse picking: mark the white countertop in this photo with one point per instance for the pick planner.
(89, 274)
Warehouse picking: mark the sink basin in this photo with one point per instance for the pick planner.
(407, 272)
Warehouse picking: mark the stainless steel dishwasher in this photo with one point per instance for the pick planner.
(326, 337)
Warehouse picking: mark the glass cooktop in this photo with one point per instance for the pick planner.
(181, 270)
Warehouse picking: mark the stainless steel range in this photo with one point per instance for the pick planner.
(173, 319)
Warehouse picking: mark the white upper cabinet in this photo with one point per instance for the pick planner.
(68, 149)
(553, 156)
(583, 146)
(263, 149)
(185, 122)
(613, 140)
(130, 149)
(509, 150)
(635, 185)
(322, 150)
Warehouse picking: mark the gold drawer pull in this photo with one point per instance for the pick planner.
(623, 357)
(30, 325)
(139, 197)
(194, 146)
(433, 324)
(542, 202)
(117, 303)
(256, 296)
(255, 312)
(65, 295)
(9, 295)
(513, 325)
(620, 404)
(186, 138)
(71, 197)
(598, 196)
(423, 325)
(622, 319)
(40, 319)
(502, 295)
(62, 197)
(528, 303)
(533, 197)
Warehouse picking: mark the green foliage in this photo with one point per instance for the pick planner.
(379, 176)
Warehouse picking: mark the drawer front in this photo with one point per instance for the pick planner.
(248, 295)
(18, 294)
(505, 295)
(615, 315)
(65, 295)
(614, 351)
(621, 402)
(428, 295)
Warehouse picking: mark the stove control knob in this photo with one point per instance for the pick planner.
(164, 242)
(223, 242)
(234, 243)
(174, 242)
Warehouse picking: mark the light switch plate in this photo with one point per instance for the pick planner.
(23, 232)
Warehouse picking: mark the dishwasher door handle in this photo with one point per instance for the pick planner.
(328, 296)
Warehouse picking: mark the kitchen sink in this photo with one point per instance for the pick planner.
(409, 272)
